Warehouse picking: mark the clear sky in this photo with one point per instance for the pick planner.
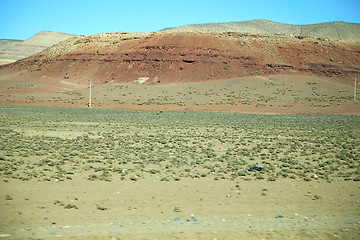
(21, 19)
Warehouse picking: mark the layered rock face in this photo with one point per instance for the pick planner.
(165, 57)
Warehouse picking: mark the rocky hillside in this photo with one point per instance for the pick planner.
(332, 30)
(12, 50)
(165, 57)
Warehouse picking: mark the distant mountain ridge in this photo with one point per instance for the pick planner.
(12, 50)
(47, 38)
(336, 30)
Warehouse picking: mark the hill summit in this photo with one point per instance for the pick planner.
(165, 57)
(336, 30)
(13, 50)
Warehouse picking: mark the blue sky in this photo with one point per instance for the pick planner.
(21, 19)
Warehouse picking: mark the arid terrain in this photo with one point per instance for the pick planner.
(189, 71)
(167, 57)
(256, 94)
(219, 131)
(78, 173)
(12, 50)
(336, 30)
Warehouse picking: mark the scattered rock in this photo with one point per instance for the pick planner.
(70, 206)
(134, 178)
(8, 197)
(317, 197)
(177, 209)
(101, 208)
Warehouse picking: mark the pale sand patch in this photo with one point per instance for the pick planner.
(205, 208)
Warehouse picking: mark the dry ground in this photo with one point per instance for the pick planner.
(121, 174)
(208, 209)
(257, 94)
(78, 173)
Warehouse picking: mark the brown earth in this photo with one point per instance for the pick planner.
(226, 72)
(187, 57)
(257, 94)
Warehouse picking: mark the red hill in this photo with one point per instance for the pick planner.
(166, 57)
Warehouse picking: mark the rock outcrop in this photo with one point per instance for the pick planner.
(166, 57)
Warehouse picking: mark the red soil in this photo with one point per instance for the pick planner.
(187, 57)
(241, 64)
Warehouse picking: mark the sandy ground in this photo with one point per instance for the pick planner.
(199, 209)
(107, 174)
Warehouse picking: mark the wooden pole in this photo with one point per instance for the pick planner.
(89, 105)
(355, 87)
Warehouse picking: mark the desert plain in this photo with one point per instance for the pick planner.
(190, 135)
(78, 173)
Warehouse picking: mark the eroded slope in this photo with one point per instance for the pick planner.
(187, 56)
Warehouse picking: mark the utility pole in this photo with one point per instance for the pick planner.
(89, 105)
(355, 88)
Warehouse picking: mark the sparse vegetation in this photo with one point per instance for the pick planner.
(114, 143)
